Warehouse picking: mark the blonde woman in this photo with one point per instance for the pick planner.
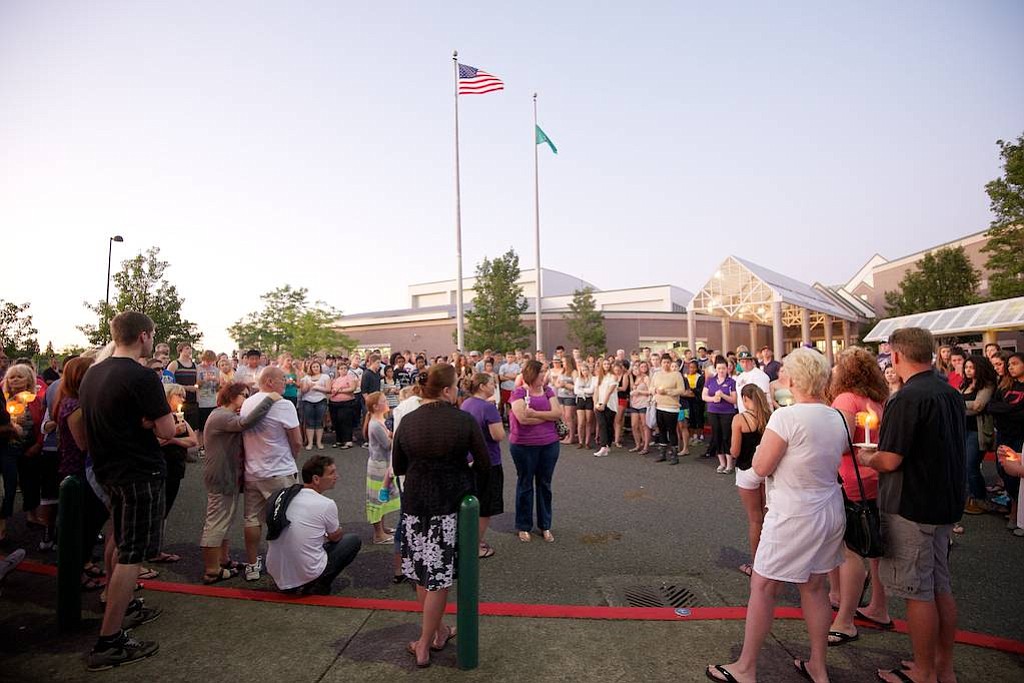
(606, 404)
(227, 372)
(747, 430)
(316, 386)
(565, 390)
(639, 402)
(175, 452)
(584, 387)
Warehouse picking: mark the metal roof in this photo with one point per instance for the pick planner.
(1005, 314)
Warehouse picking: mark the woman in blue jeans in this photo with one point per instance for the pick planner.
(978, 387)
(533, 439)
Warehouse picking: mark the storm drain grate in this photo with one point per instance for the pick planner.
(659, 596)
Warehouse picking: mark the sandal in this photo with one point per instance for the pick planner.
(524, 536)
(548, 536)
(451, 634)
(411, 649)
(717, 672)
(223, 575)
(887, 625)
(91, 583)
(841, 638)
(486, 551)
(232, 565)
(898, 673)
(958, 528)
(148, 574)
(94, 571)
(747, 569)
(165, 558)
(384, 541)
(801, 668)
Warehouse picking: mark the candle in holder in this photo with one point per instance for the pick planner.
(868, 420)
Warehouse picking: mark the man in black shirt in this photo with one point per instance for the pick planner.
(921, 494)
(125, 411)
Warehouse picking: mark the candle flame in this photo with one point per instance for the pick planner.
(25, 397)
(871, 419)
(176, 403)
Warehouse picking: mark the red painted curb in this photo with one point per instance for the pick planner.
(515, 609)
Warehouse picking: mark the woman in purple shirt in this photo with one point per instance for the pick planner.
(481, 406)
(720, 398)
(534, 447)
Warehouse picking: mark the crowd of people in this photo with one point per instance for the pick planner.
(904, 431)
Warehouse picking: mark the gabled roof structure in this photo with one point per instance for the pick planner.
(744, 290)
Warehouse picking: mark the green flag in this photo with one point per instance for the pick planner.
(542, 137)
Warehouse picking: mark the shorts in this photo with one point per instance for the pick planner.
(505, 394)
(492, 497)
(916, 561)
(137, 510)
(567, 401)
(585, 403)
(220, 510)
(684, 415)
(257, 492)
(623, 403)
(204, 415)
(748, 480)
(313, 414)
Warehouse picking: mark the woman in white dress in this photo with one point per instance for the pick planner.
(802, 536)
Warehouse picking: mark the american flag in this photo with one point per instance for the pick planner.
(473, 81)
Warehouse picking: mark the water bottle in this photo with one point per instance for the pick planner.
(384, 495)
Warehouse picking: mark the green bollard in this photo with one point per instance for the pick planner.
(468, 615)
(69, 554)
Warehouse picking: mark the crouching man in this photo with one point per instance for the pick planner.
(306, 547)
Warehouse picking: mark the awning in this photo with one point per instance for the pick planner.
(1005, 314)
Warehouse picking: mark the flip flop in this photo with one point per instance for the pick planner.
(384, 541)
(747, 569)
(725, 676)
(887, 625)
(898, 673)
(232, 564)
(841, 638)
(148, 574)
(223, 575)
(485, 552)
(451, 634)
(411, 649)
(524, 536)
(165, 558)
(801, 668)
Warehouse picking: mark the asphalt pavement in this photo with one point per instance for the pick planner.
(624, 526)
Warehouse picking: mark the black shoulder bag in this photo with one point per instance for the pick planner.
(863, 525)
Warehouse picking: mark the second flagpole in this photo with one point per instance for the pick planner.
(536, 235)
(460, 324)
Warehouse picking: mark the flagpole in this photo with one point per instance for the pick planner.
(460, 331)
(536, 234)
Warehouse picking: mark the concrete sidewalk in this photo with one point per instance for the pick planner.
(211, 639)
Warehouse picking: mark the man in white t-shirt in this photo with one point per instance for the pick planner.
(271, 446)
(312, 550)
(751, 375)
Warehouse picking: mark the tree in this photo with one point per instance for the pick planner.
(1006, 232)
(17, 335)
(288, 322)
(495, 319)
(586, 324)
(944, 278)
(140, 286)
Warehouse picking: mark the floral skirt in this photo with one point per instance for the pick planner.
(428, 550)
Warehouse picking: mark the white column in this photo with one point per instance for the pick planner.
(846, 334)
(805, 325)
(829, 353)
(753, 337)
(726, 341)
(691, 329)
(778, 332)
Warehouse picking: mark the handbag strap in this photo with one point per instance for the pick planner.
(856, 467)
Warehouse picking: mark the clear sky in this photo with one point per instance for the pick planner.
(311, 143)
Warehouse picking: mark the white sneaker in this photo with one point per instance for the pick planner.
(720, 469)
(252, 571)
(601, 453)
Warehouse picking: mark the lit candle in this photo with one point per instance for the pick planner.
(868, 420)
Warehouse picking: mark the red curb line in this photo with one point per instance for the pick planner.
(514, 609)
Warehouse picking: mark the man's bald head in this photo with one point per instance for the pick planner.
(272, 379)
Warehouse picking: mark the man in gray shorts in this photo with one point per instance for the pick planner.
(921, 494)
(271, 446)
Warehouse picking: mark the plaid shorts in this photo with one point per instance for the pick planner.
(137, 510)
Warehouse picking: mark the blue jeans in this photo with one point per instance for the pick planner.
(313, 414)
(339, 555)
(535, 467)
(975, 479)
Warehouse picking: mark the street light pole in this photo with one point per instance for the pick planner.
(110, 254)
